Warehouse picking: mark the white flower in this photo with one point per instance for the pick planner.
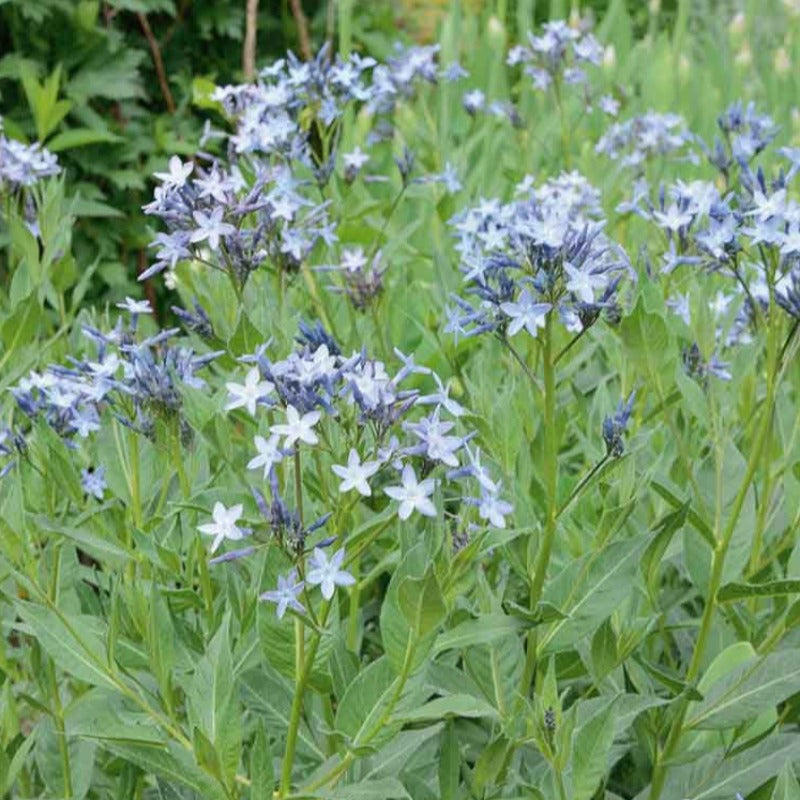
(583, 283)
(355, 159)
(413, 495)
(135, 306)
(249, 394)
(178, 173)
(525, 313)
(494, 509)
(224, 525)
(328, 573)
(355, 474)
(285, 596)
(211, 227)
(297, 427)
(268, 453)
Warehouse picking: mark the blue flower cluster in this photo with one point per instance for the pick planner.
(544, 251)
(23, 165)
(137, 379)
(559, 53)
(397, 445)
(640, 139)
(264, 204)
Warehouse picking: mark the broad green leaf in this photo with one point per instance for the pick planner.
(381, 789)
(392, 758)
(482, 630)
(589, 590)
(455, 705)
(74, 648)
(741, 591)
(371, 687)
(80, 137)
(421, 602)
(591, 745)
(262, 771)
(756, 686)
(786, 786)
(714, 777)
(655, 550)
(172, 763)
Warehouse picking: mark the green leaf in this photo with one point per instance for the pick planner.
(215, 704)
(402, 624)
(421, 602)
(370, 689)
(654, 553)
(741, 591)
(714, 777)
(80, 137)
(173, 763)
(392, 758)
(262, 770)
(604, 649)
(449, 763)
(786, 786)
(753, 687)
(382, 789)
(454, 705)
(590, 589)
(591, 746)
(482, 630)
(669, 679)
(648, 344)
(68, 642)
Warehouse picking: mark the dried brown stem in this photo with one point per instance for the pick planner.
(249, 47)
(158, 62)
(302, 29)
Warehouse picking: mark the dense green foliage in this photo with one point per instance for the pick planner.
(605, 607)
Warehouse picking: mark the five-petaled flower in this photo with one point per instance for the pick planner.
(211, 227)
(327, 573)
(355, 474)
(298, 428)
(285, 596)
(247, 395)
(269, 453)
(525, 314)
(413, 495)
(224, 525)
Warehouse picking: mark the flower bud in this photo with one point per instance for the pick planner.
(781, 61)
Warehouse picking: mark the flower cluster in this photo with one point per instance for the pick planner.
(23, 165)
(544, 251)
(640, 139)
(745, 133)
(261, 204)
(400, 443)
(558, 53)
(138, 380)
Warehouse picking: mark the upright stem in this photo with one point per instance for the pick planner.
(298, 482)
(550, 468)
(58, 712)
(720, 551)
(297, 702)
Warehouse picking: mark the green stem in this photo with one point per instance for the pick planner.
(337, 771)
(352, 620)
(297, 702)
(61, 734)
(551, 486)
(718, 558)
(298, 482)
(58, 711)
(135, 483)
